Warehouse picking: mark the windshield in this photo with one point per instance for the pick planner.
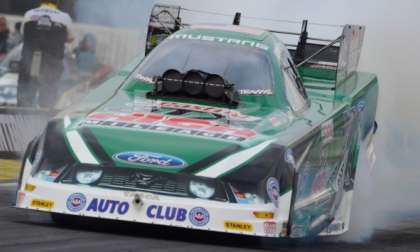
(248, 68)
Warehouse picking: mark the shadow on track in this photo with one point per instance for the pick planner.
(198, 237)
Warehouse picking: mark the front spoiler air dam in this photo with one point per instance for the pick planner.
(156, 209)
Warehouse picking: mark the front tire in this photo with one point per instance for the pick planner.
(64, 219)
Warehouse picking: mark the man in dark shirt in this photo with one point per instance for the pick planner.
(46, 30)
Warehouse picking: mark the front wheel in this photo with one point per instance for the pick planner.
(64, 219)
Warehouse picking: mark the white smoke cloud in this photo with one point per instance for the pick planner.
(121, 13)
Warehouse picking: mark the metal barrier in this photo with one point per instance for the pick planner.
(18, 126)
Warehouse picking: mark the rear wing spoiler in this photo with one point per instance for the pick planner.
(314, 57)
(341, 56)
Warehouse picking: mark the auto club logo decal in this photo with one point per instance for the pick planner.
(273, 190)
(150, 159)
(76, 202)
(199, 216)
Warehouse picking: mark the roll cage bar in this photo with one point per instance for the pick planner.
(340, 56)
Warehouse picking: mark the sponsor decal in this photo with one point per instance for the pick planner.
(241, 197)
(144, 79)
(221, 40)
(238, 226)
(166, 213)
(273, 190)
(199, 216)
(76, 202)
(108, 206)
(244, 198)
(289, 158)
(252, 92)
(48, 176)
(327, 131)
(263, 215)
(150, 159)
(229, 113)
(270, 227)
(170, 124)
(20, 198)
(44, 204)
(335, 227)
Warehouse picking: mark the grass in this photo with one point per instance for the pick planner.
(9, 169)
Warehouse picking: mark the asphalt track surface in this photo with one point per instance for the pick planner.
(22, 230)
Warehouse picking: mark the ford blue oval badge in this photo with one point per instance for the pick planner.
(150, 159)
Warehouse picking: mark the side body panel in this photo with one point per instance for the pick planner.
(327, 159)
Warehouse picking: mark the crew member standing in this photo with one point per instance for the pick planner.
(15, 38)
(46, 30)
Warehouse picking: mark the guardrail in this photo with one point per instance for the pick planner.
(18, 126)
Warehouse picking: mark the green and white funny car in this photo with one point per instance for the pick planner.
(216, 129)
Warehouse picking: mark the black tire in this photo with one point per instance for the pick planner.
(28, 151)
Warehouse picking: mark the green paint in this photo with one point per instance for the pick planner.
(294, 129)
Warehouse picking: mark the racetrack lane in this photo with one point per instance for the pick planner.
(22, 230)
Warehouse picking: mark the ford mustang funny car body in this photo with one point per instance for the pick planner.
(219, 128)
